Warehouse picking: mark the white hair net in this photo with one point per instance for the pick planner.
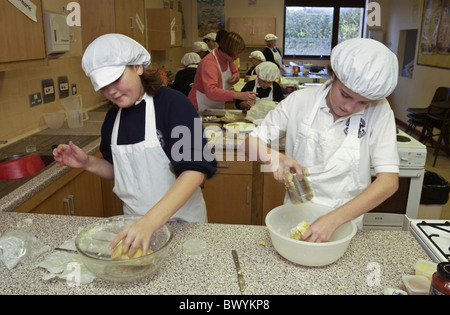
(210, 36)
(199, 46)
(270, 37)
(267, 71)
(366, 66)
(105, 59)
(191, 58)
(257, 55)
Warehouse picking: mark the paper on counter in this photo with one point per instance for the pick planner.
(67, 266)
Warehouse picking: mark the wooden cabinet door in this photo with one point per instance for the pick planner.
(20, 37)
(129, 14)
(228, 199)
(97, 19)
(273, 194)
(80, 195)
(253, 30)
(242, 26)
(262, 27)
(228, 195)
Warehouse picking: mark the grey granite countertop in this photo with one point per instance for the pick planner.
(373, 261)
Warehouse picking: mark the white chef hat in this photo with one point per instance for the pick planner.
(210, 36)
(199, 46)
(366, 66)
(270, 37)
(190, 58)
(257, 55)
(267, 71)
(105, 59)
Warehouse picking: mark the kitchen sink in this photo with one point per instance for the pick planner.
(44, 147)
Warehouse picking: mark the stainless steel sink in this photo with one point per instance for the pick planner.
(44, 147)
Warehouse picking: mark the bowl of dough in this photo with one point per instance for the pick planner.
(287, 223)
(111, 265)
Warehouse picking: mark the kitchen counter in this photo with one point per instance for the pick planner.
(91, 127)
(373, 261)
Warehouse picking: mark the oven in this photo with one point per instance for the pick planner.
(393, 213)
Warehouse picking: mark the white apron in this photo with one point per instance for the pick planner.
(142, 174)
(203, 101)
(334, 168)
(277, 57)
(268, 98)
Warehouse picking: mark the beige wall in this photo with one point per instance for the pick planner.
(17, 118)
(418, 91)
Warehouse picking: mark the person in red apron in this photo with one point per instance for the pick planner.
(136, 142)
(216, 74)
(338, 131)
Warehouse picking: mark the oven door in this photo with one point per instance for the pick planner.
(393, 213)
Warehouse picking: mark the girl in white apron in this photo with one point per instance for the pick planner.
(141, 171)
(337, 131)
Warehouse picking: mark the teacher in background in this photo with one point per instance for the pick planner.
(271, 52)
(216, 74)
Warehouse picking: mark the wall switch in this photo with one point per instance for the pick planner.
(48, 90)
(35, 99)
(74, 89)
(63, 87)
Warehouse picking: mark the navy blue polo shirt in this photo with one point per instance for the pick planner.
(173, 110)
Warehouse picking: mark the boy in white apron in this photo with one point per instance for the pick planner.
(338, 131)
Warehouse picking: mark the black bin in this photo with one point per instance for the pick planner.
(435, 189)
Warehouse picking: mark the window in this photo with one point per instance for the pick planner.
(313, 27)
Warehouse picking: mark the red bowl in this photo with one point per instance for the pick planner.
(19, 166)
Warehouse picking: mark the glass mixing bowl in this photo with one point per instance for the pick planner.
(93, 245)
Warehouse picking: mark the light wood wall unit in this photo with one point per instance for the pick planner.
(163, 29)
(253, 29)
(98, 18)
(20, 37)
(128, 15)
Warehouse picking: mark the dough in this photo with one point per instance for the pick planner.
(299, 230)
(118, 255)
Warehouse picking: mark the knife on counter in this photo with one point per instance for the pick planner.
(240, 275)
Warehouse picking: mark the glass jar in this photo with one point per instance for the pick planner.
(299, 191)
(440, 285)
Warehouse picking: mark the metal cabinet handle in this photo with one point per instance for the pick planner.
(248, 195)
(67, 203)
(133, 22)
(72, 208)
(223, 166)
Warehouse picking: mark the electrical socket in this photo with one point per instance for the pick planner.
(63, 87)
(48, 90)
(35, 99)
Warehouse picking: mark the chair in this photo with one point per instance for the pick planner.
(418, 117)
(441, 119)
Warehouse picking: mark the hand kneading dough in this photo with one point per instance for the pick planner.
(118, 255)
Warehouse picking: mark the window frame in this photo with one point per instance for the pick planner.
(337, 5)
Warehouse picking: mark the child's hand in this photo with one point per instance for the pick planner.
(70, 155)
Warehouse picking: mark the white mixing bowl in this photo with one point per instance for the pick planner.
(281, 220)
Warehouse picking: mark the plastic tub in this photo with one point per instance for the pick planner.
(55, 120)
(425, 268)
(417, 285)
